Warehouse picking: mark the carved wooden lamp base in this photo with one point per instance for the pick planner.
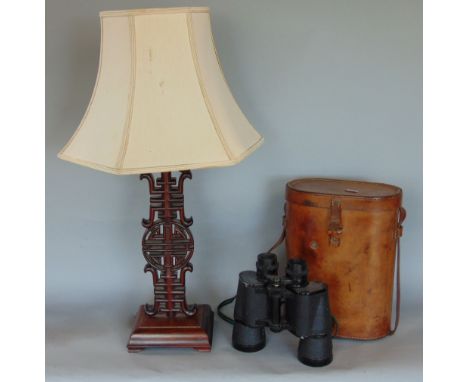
(179, 332)
(167, 246)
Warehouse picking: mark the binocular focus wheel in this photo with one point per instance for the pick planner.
(247, 339)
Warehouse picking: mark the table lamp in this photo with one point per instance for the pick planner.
(161, 104)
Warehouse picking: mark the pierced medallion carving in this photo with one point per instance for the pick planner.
(167, 244)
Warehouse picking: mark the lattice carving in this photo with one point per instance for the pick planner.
(167, 244)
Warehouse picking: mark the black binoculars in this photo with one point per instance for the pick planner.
(265, 299)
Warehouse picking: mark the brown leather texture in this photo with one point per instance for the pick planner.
(347, 231)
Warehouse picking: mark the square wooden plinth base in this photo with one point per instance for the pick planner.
(178, 332)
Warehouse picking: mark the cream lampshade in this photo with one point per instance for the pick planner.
(160, 102)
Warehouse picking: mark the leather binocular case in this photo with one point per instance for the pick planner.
(348, 233)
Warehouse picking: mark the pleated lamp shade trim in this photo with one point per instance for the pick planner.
(160, 102)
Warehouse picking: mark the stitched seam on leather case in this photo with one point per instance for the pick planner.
(366, 209)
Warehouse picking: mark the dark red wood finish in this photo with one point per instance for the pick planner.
(167, 246)
(177, 332)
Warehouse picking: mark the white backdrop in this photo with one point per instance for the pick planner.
(335, 87)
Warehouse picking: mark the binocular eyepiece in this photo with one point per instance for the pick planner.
(264, 299)
(296, 271)
(267, 265)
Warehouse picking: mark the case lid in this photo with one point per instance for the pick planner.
(340, 187)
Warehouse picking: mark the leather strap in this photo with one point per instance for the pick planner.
(401, 218)
(279, 241)
(335, 226)
(283, 232)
